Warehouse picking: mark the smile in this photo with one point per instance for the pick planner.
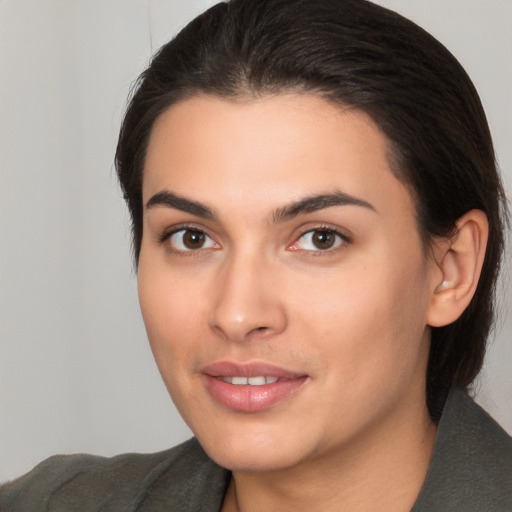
(251, 387)
(251, 381)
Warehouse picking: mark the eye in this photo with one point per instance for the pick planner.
(191, 240)
(318, 240)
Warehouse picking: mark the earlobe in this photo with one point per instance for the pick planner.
(459, 260)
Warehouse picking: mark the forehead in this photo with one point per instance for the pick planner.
(269, 150)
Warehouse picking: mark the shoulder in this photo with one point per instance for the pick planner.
(471, 468)
(179, 477)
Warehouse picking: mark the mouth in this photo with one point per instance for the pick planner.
(249, 381)
(250, 387)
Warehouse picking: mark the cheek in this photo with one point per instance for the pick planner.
(172, 313)
(369, 321)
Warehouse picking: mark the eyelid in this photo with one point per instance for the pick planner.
(343, 236)
(172, 230)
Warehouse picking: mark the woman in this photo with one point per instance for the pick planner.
(318, 227)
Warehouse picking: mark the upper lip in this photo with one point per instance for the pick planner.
(249, 369)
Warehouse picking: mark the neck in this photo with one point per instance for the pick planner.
(382, 470)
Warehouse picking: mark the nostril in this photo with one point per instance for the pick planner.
(259, 330)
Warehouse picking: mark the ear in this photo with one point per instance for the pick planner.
(459, 261)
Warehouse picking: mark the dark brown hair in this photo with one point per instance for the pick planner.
(357, 54)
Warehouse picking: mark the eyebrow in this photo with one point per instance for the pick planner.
(316, 203)
(303, 206)
(170, 200)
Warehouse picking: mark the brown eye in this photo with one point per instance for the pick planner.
(323, 239)
(319, 240)
(191, 240)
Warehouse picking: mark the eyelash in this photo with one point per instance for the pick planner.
(341, 242)
(167, 235)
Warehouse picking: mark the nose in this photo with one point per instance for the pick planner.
(248, 301)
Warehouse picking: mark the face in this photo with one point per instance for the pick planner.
(282, 279)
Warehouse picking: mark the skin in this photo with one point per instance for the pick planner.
(352, 318)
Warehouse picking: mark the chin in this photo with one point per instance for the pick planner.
(255, 447)
(250, 460)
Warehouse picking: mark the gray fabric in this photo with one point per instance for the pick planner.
(471, 471)
(181, 479)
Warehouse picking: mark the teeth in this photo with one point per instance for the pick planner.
(251, 381)
(256, 381)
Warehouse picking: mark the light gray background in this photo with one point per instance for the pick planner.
(76, 372)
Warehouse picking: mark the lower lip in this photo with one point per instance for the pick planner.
(246, 398)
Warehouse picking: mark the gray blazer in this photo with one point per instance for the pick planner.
(470, 471)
